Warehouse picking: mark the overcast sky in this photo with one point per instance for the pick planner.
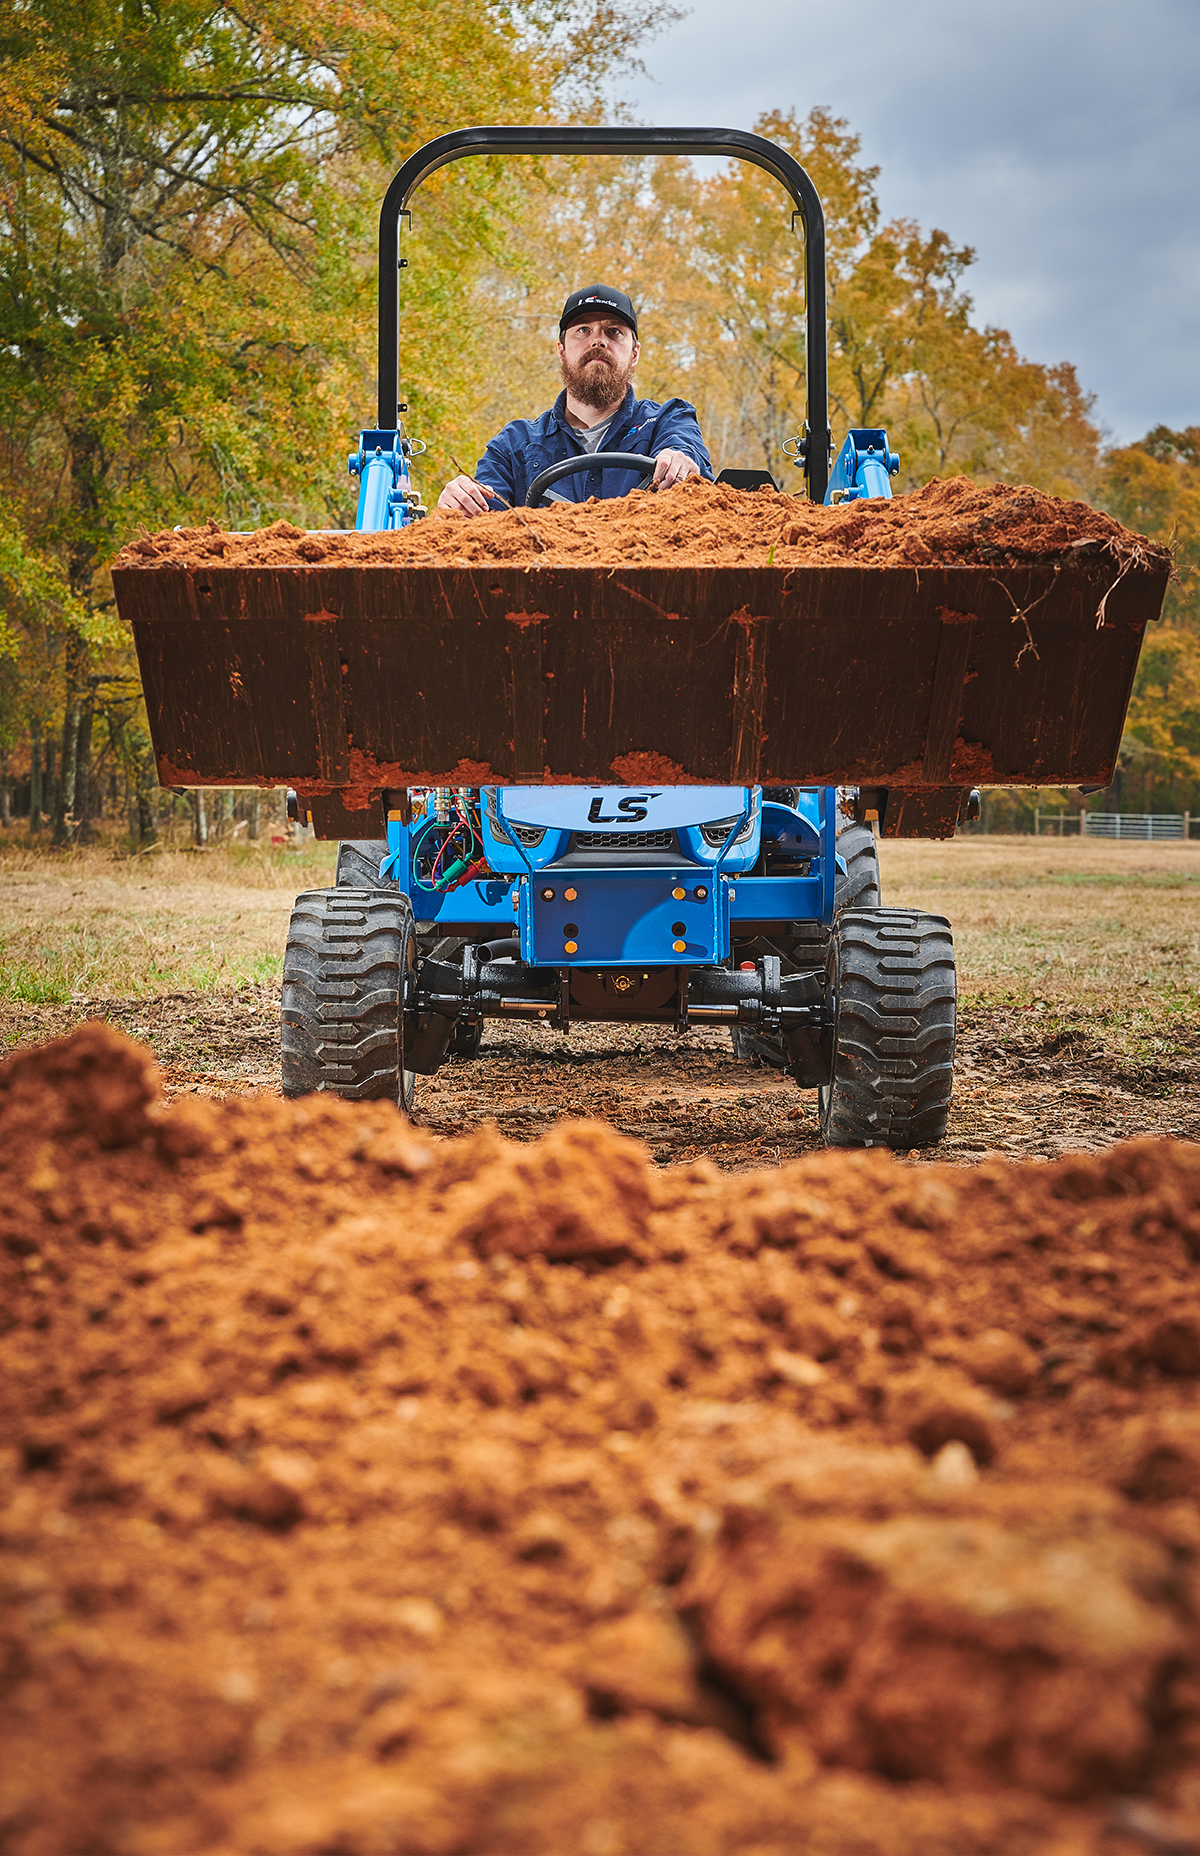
(1060, 138)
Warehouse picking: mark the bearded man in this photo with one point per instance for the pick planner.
(596, 411)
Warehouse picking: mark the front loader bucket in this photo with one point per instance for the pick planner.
(348, 680)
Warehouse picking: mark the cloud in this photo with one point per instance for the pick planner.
(1061, 138)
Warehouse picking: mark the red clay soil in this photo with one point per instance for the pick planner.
(950, 522)
(369, 1497)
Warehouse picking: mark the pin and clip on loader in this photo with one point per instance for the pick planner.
(693, 846)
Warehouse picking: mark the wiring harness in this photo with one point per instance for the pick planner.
(447, 849)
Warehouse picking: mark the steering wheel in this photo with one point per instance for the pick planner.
(592, 460)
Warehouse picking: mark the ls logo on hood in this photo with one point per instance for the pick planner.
(630, 811)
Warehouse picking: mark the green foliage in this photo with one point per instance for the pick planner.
(28, 580)
(188, 194)
(1154, 488)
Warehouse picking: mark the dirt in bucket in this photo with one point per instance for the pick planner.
(371, 1496)
(952, 521)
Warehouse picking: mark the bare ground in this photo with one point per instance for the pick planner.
(1079, 1021)
(1024, 1086)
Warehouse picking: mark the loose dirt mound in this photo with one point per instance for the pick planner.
(946, 523)
(392, 1500)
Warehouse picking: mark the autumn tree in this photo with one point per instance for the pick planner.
(718, 273)
(1154, 487)
(187, 204)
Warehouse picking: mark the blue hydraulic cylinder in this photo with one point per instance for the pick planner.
(873, 478)
(863, 467)
(385, 493)
(375, 485)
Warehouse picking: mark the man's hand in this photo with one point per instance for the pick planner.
(469, 498)
(672, 467)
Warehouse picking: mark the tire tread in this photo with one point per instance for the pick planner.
(893, 972)
(342, 993)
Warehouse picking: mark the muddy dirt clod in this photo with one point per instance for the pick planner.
(398, 1497)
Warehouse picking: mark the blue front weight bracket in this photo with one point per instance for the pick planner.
(651, 918)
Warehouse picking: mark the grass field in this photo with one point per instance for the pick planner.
(1109, 932)
(86, 924)
(1110, 929)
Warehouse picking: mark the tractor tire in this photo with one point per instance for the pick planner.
(358, 862)
(891, 972)
(807, 950)
(350, 956)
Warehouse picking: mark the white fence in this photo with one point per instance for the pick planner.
(1135, 826)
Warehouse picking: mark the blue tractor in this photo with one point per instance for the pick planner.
(753, 907)
(641, 796)
(679, 906)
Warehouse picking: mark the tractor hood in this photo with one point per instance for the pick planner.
(534, 827)
(613, 808)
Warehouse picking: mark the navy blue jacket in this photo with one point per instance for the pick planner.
(525, 446)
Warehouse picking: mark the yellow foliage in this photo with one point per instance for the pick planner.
(188, 199)
(1154, 487)
(718, 276)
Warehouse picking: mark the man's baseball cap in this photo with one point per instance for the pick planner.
(598, 298)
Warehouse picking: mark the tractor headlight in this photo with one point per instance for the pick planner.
(716, 833)
(528, 835)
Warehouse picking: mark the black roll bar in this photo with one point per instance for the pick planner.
(535, 140)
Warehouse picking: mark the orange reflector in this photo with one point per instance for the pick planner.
(680, 947)
(570, 894)
(570, 947)
(679, 894)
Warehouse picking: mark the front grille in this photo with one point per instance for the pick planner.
(531, 835)
(623, 840)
